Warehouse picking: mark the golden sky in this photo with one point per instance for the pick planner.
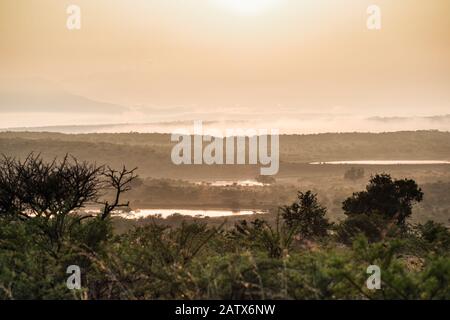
(163, 59)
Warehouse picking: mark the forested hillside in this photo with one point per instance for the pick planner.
(151, 152)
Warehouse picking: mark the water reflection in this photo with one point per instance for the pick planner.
(240, 183)
(386, 162)
(144, 213)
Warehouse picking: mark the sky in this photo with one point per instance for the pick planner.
(300, 65)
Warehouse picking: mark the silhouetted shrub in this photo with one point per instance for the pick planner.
(393, 199)
(307, 215)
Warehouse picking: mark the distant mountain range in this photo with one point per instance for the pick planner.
(39, 95)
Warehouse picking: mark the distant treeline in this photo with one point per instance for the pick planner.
(151, 152)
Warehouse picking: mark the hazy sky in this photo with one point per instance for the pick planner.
(161, 60)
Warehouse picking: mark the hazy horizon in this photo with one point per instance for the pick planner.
(318, 126)
(299, 66)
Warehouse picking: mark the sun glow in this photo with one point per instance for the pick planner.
(247, 7)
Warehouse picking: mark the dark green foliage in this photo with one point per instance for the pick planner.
(371, 226)
(261, 235)
(31, 268)
(393, 199)
(435, 234)
(307, 215)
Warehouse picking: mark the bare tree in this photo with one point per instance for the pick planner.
(35, 188)
(51, 192)
(119, 182)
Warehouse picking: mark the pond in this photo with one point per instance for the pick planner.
(144, 213)
(240, 183)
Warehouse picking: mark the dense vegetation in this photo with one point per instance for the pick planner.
(298, 255)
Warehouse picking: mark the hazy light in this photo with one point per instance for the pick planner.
(247, 7)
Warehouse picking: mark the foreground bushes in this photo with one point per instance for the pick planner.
(194, 261)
